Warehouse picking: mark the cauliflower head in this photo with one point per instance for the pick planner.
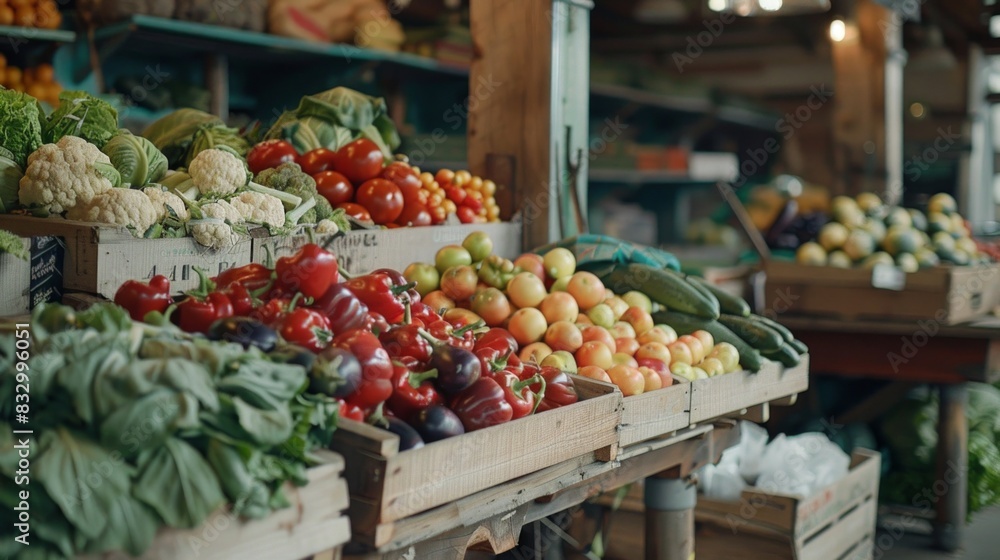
(260, 208)
(162, 199)
(215, 229)
(218, 171)
(62, 175)
(327, 227)
(120, 207)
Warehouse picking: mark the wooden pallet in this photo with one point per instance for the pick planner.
(314, 524)
(730, 393)
(390, 488)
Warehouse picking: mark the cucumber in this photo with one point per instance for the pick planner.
(782, 329)
(757, 334)
(664, 287)
(687, 324)
(799, 346)
(728, 303)
(786, 355)
(706, 294)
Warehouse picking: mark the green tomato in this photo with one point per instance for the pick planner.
(640, 300)
(559, 263)
(425, 275)
(728, 355)
(479, 245)
(562, 360)
(601, 315)
(681, 369)
(450, 256)
(559, 285)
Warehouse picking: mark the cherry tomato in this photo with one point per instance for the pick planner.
(334, 187)
(405, 178)
(438, 214)
(414, 213)
(269, 154)
(356, 211)
(466, 215)
(382, 198)
(359, 160)
(314, 161)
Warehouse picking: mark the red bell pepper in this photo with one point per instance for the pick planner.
(519, 394)
(270, 312)
(422, 313)
(497, 338)
(412, 392)
(344, 310)
(202, 307)
(413, 296)
(139, 298)
(311, 271)
(559, 389)
(253, 276)
(482, 405)
(376, 367)
(494, 363)
(405, 340)
(350, 411)
(376, 323)
(305, 327)
(381, 295)
(240, 297)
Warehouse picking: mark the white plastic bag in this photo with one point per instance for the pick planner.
(801, 465)
(723, 481)
(753, 441)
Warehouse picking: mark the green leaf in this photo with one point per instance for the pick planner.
(142, 424)
(264, 384)
(178, 483)
(132, 527)
(81, 114)
(10, 243)
(266, 427)
(21, 119)
(84, 363)
(81, 477)
(117, 389)
(137, 160)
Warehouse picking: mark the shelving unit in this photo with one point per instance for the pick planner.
(34, 34)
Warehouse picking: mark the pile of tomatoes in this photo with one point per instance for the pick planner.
(357, 179)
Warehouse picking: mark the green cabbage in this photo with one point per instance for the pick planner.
(81, 114)
(10, 179)
(215, 136)
(335, 117)
(173, 133)
(136, 159)
(20, 124)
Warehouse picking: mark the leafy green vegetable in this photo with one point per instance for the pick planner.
(137, 160)
(266, 427)
(81, 114)
(10, 181)
(10, 243)
(215, 136)
(177, 482)
(131, 527)
(333, 118)
(21, 120)
(172, 134)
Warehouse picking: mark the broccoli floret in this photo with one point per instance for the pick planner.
(289, 178)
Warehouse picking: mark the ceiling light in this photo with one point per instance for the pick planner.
(838, 30)
(769, 7)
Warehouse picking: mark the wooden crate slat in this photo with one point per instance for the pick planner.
(843, 536)
(731, 392)
(655, 413)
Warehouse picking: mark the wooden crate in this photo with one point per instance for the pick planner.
(732, 392)
(837, 522)
(654, 414)
(388, 485)
(314, 524)
(99, 258)
(946, 294)
(361, 251)
(26, 283)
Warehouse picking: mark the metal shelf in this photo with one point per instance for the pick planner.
(647, 177)
(185, 36)
(35, 34)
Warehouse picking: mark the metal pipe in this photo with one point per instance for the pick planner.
(669, 518)
(894, 62)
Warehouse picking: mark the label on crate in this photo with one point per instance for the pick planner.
(46, 283)
(888, 277)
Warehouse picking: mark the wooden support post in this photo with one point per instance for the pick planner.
(669, 518)
(217, 83)
(952, 467)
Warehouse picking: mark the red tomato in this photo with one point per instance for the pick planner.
(382, 198)
(359, 160)
(314, 161)
(466, 215)
(405, 178)
(356, 211)
(269, 154)
(414, 214)
(334, 187)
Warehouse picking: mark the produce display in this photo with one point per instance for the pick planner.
(42, 14)
(137, 427)
(189, 174)
(865, 232)
(37, 81)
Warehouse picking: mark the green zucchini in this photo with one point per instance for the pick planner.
(799, 346)
(728, 303)
(662, 286)
(687, 324)
(786, 355)
(757, 334)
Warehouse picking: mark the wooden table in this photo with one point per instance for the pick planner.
(918, 352)
(493, 521)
